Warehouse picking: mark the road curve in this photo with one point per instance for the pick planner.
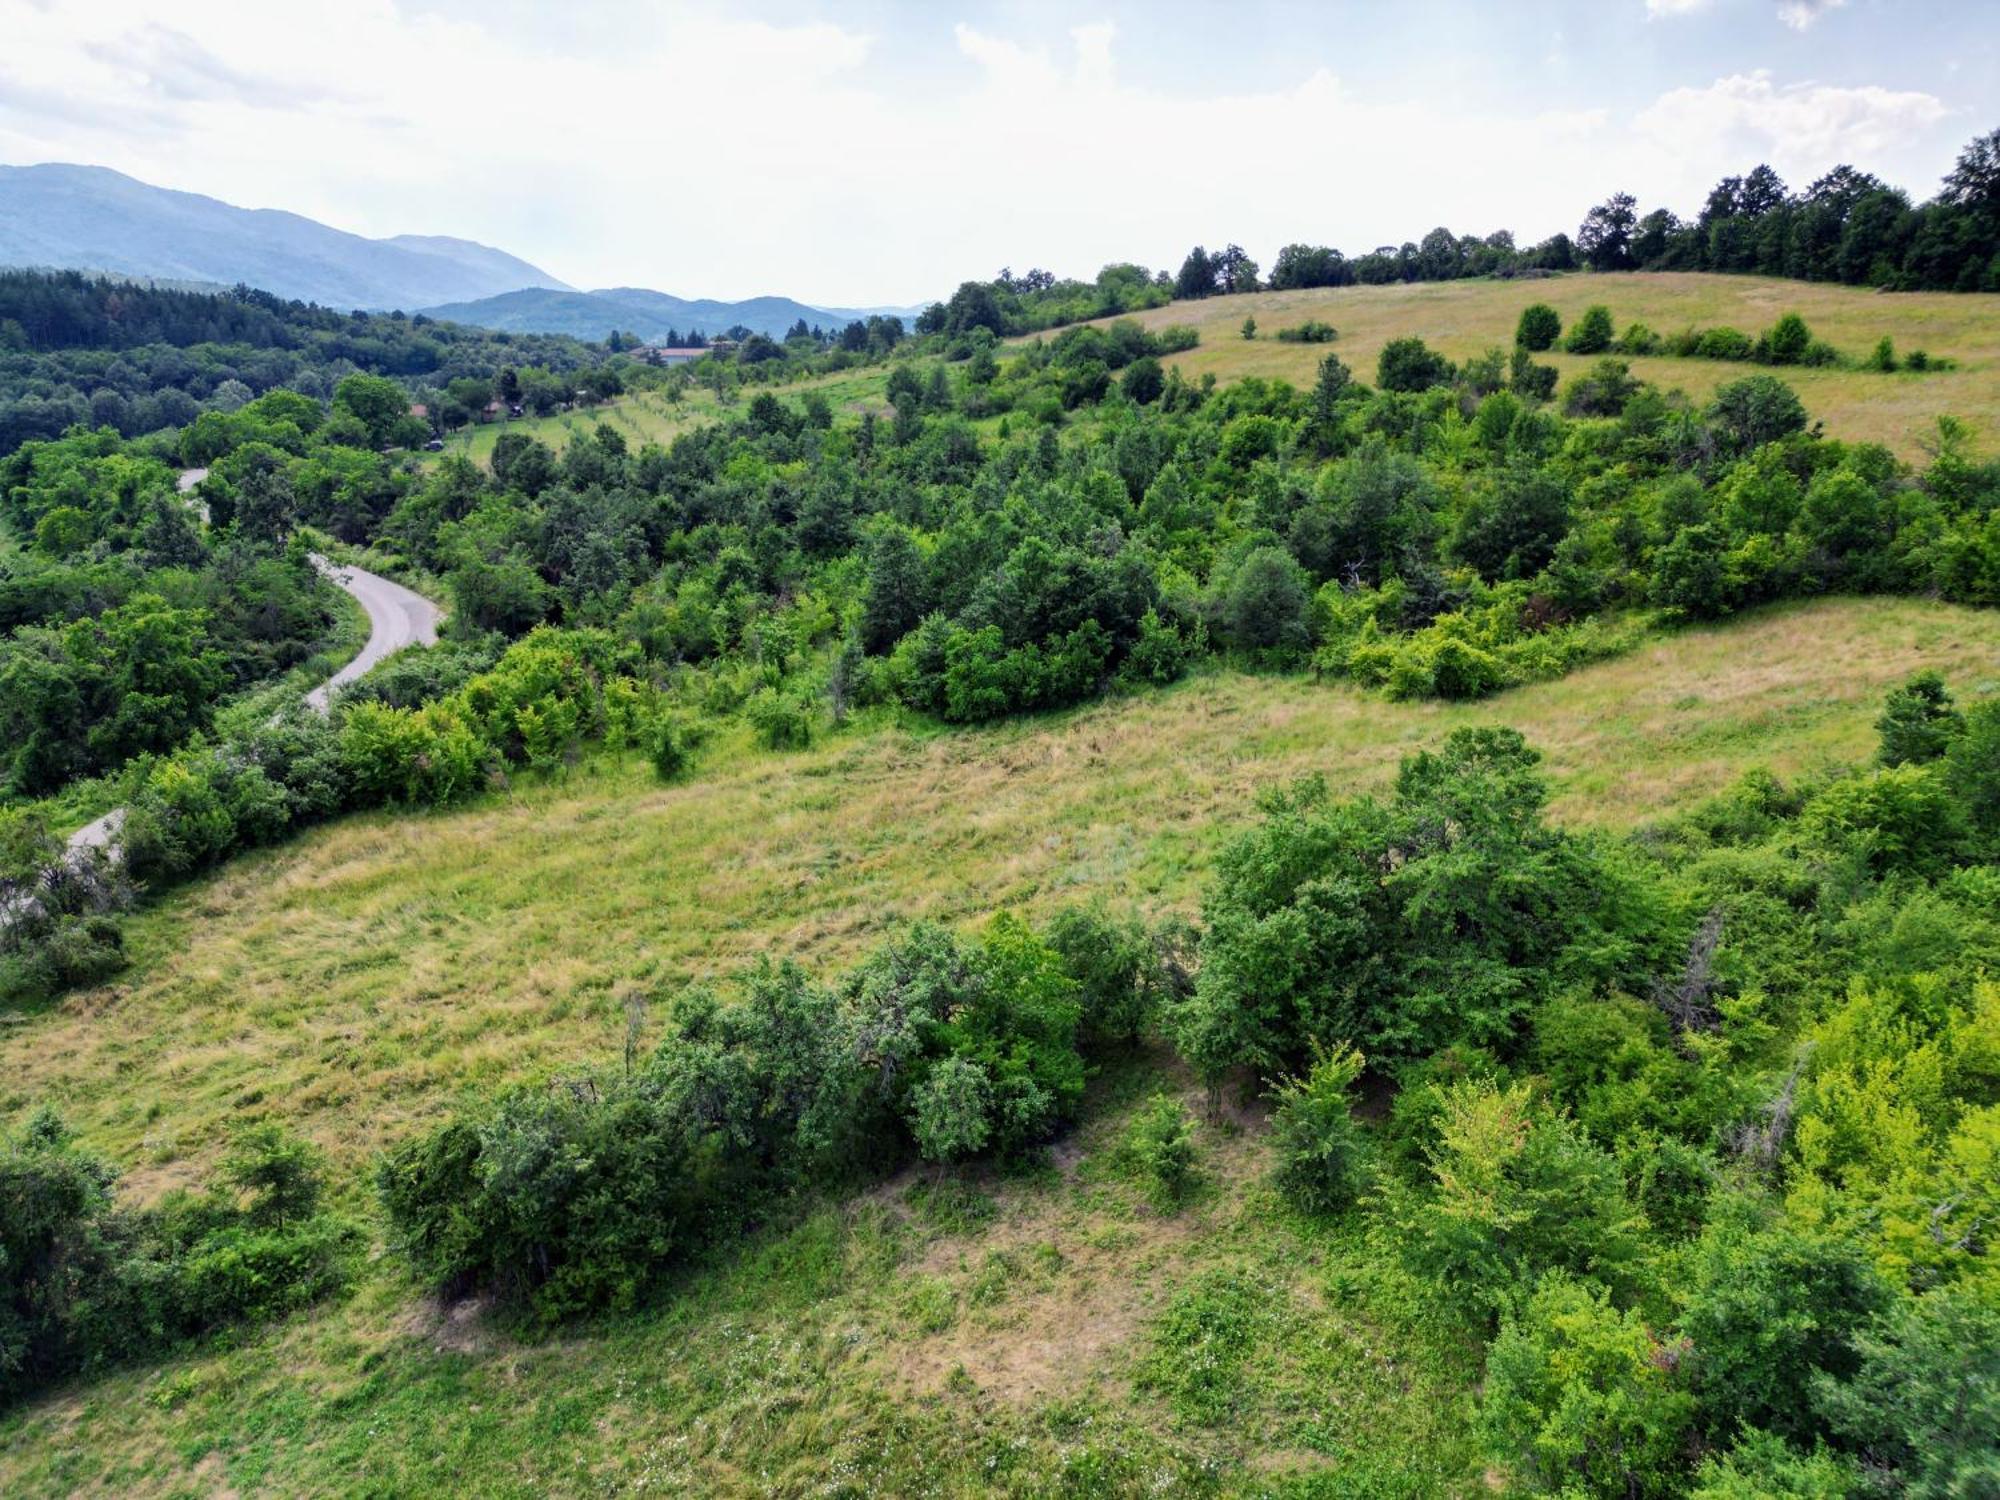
(397, 617)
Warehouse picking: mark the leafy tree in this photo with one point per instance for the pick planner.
(1197, 276)
(898, 589)
(1924, 1408)
(1766, 1310)
(377, 404)
(1756, 410)
(1604, 240)
(1267, 609)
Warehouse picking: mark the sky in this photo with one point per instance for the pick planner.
(879, 152)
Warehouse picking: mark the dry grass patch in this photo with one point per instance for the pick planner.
(1464, 318)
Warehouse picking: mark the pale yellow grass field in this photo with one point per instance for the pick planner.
(356, 980)
(1463, 318)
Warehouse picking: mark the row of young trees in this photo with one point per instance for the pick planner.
(1846, 226)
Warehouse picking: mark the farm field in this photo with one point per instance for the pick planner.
(1007, 1334)
(1463, 318)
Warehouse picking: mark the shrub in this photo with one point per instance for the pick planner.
(1142, 381)
(1314, 1137)
(1883, 358)
(1579, 1399)
(1526, 378)
(1724, 343)
(1788, 340)
(1517, 1192)
(1309, 332)
(1639, 340)
(1409, 364)
(669, 750)
(1160, 1143)
(951, 1113)
(1539, 327)
(1591, 333)
(1918, 722)
(782, 720)
(1900, 818)
(86, 1282)
(1405, 925)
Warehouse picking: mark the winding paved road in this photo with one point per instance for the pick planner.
(397, 617)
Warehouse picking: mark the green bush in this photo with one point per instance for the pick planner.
(1579, 1399)
(86, 1282)
(1409, 364)
(782, 720)
(1592, 333)
(1788, 340)
(1309, 332)
(1161, 1145)
(1516, 1192)
(1315, 1140)
(1539, 327)
(1724, 343)
(1918, 722)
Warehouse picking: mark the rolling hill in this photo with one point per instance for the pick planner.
(91, 218)
(1460, 319)
(354, 982)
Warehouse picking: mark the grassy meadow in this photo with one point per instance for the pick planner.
(1047, 1333)
(1463, 318)
(643, 417)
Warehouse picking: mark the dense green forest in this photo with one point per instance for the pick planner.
(107, 353)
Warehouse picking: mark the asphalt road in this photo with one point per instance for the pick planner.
(397, 617)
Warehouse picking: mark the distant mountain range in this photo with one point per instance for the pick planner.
(95, 219)
(651, 315)
(91, 218)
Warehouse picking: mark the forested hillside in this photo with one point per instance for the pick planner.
(76, 349)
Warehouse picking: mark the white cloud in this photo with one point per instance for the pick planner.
(1658, 8)
(1801, 14)
(698, 152)
(1810, 125)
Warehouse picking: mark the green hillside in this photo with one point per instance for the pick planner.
(1028, 1330)
(1465, 318)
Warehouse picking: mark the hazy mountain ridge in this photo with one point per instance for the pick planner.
(649, 314)
(92, 218)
